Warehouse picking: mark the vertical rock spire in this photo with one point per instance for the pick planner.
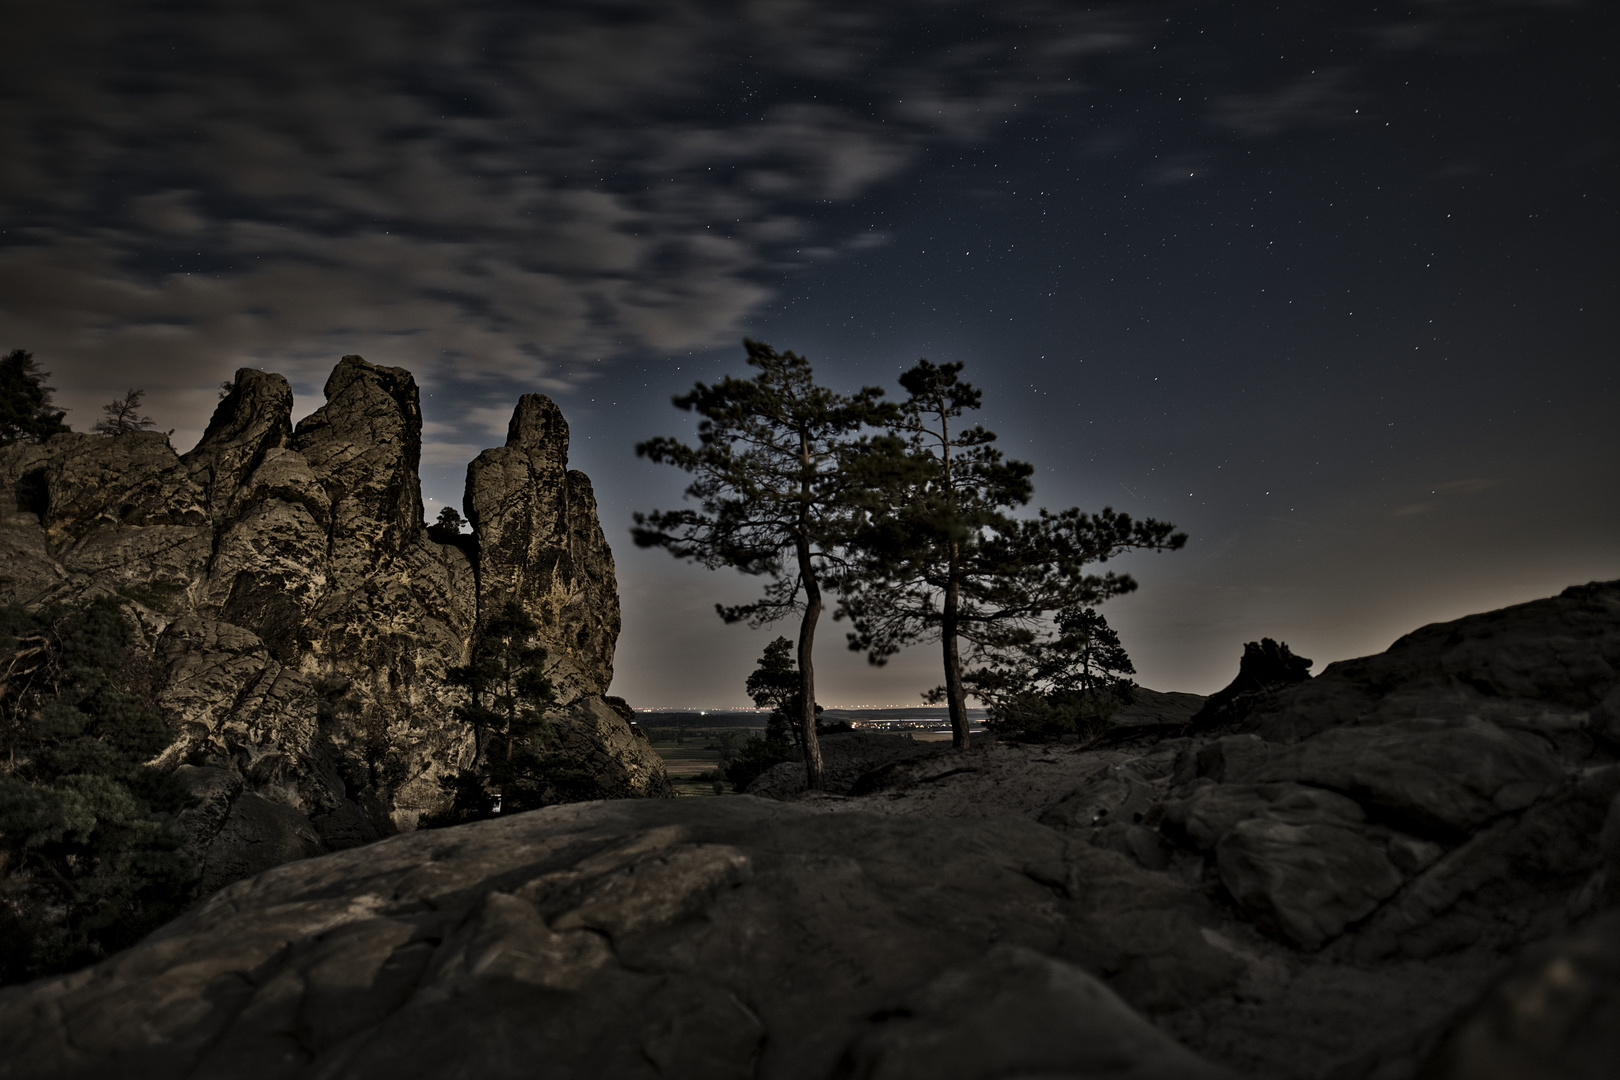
(540, 543)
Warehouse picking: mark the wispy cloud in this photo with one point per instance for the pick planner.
(1319, 98)
(485, 193)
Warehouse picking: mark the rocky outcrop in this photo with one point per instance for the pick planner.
(1545, 668)
(1348, 891)
(1267, 666)
(1556, 1013)
(696, 938)
(301, 620)
(540, 543)
(846, 757)
(1384, 837)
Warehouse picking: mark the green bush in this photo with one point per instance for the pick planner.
(754, 757)
(90, 860)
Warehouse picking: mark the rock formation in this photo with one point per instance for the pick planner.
(1267, 667)
(1408, 866)
(301, 619)
(694, 938)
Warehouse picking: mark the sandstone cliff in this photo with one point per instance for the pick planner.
(300, 618)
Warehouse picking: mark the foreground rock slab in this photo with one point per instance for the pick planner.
(694, 938)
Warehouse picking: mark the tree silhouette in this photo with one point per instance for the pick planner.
(774, 684)
(940, 558)
(513, 768)
(774, 494)
(1065, 680)
(123, 414)
(25, 400)
(447, 529)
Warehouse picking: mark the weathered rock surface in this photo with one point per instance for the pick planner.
(1545, 667)
(540, 543)
(1423, 883)
(702, 937)
(1266, 667)
(1555, 1014)
(846, 757)
(1382, 851)
(303, 622)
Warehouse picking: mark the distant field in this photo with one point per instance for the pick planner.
(684, 761)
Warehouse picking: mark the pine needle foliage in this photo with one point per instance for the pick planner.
(26, 414)
(774, 684)
(941, 556)
(775, 495)
(1067, 681)
(90, 860)
(515, 765)
(123, 414)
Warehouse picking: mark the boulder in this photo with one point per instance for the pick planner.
(1543, 667)
(1446, 777)
(1016, 1012)
(1512, 882)
(1304, 880)
(1555, 1013)
(700, 937)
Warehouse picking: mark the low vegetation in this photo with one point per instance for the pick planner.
(90, 858)
(516, 765)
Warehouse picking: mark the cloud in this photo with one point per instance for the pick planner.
(442, 453)
(494, 195)
(1319, 98)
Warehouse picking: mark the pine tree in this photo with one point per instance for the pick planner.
(25, 401)
(774, 494)
(774, 684)
(514, 768)
(1066, 680)
(89, 859)
(123, 414)
(447, 529)
(942, 558)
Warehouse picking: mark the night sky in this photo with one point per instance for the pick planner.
(1331, 286)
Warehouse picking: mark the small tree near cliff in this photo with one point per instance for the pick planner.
(774, 684)
(123, 414)
(514, 768)
(941, 558)
(1066, 679)
(90, 861)
(447, 529)
(774, 496)
(25, 401)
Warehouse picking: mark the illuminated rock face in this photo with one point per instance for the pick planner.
(300, 617)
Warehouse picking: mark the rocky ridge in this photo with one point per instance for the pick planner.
(300, 618)
(1407, 866)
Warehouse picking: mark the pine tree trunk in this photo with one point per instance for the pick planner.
(955, 696)
(807, 671)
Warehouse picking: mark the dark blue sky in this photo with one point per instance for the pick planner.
(1332, 286)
